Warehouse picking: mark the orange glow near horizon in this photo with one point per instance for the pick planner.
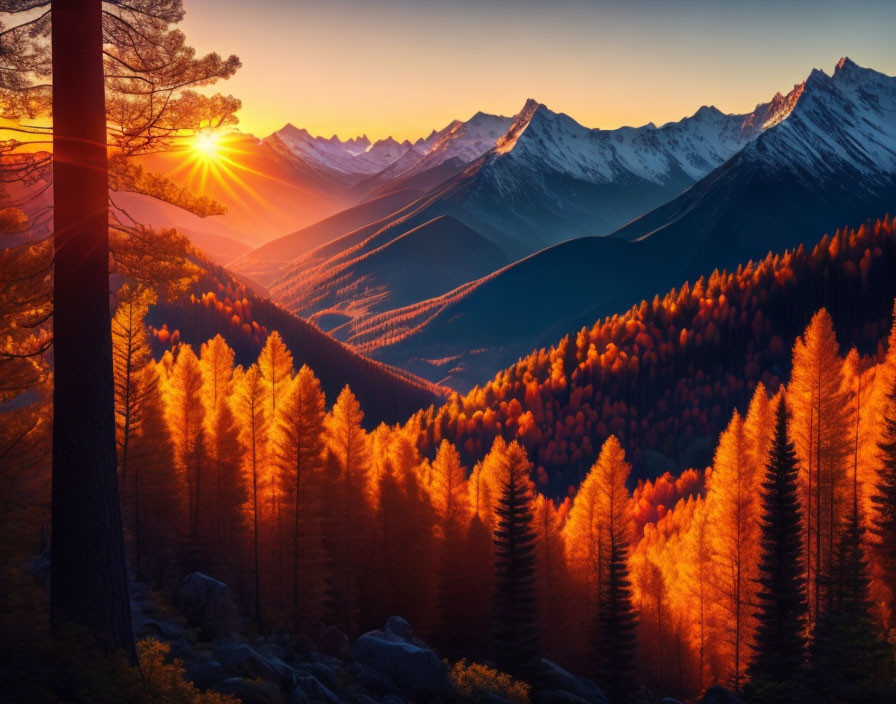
(402, 68)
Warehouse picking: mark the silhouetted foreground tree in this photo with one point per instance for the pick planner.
(68, 54)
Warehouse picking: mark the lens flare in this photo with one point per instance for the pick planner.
(206, 145)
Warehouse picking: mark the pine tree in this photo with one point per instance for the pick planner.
(249, 407)
(852, 661)
(515, 637)
(222, 448)
(779, 647)
(299, 442)
(130, 357)
(732, 505)
(614, 641)
(346, 471)
(883, 520)
(276, 366)
(186, 423)
(819, 429)
(451, 504)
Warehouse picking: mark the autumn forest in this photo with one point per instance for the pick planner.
(208, 496)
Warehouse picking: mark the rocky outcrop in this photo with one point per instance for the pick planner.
(207, 604)
(563, 687)
(402, 658)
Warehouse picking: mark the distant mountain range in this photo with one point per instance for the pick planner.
(827, 159)
(453, 255)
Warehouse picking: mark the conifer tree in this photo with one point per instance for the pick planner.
(186, 423)
(276, 366)
(732, 505)
(550, 576)
(130, 357)
(819, 428)
(249, 406)
(883, 520)
(346, 470)
(780, 647)
(515, 638)
(452, 509)
(614, 641)
(222, 446)
(852, 661)
(299, 441)
(155, 497)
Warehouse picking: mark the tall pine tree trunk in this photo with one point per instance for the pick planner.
(89, 580)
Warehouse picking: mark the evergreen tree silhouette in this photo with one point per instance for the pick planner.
(780, 647)
(515, 636)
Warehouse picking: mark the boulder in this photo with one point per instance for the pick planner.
(331, 641)
(325, 674)
(719, 695)
(553, 677)
(372, 681)
(249, 692)
(207, 604)
(243, 660)
(205, 673)
(394, 651)
(315, 691)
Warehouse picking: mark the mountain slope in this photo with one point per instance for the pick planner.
(266, 263)
(831, 160)
(220, 304)
(665, 376)
(550, 179)
(423, 262)
(765, 198)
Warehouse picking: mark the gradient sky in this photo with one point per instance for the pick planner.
(404, 67)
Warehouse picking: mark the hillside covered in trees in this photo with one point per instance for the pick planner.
(242, 471)
(218, 303)
(664, 376)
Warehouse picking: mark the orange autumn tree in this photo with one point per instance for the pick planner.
(223, 515)
(450, 500)
(347, 469)
(731, 501)
(298, 437)
(614, 640)
(820, 427)
(249, 401)
(186, 419)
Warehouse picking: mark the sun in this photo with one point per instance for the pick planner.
(205, 144)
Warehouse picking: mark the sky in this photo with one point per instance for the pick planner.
(405, 67)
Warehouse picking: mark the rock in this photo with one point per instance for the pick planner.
(206, 603)
(205, 673)
(251, 692)
(372, 681)
(669, 700)
(553, 677)
(331, 641)
(719, 695)
(316, 691)
(325, 674)
(415, 669)
(392, 699)
(243, 660)
(397, 627)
